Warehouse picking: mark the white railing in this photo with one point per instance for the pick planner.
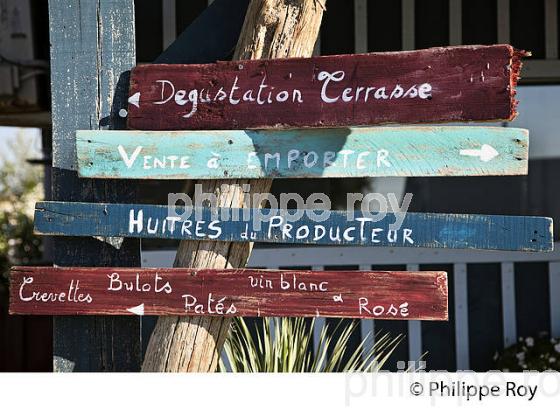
(547, 68)
(321, 257)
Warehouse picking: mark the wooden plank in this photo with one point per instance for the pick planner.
(503, 16)
(228, 292)
(197, 44)
(360, 26)
(408, 23)
(41, 119)
(193, 344)
(299, 256)
(169, 15)
(303, 153)
(551, 29)
(319, 322)
(455, 22)
(526, 233)
(91, 54)
(367, 328)
(554, 286)
(434, 85)
(414, 331)
(508, 304)
(461, 316)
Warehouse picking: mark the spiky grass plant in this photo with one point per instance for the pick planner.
(285, 345)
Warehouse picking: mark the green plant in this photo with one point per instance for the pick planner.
(20, 188)
(285, 345)
(531, 353)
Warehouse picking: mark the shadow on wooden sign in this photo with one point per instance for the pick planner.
(302, 226)
(303, 153)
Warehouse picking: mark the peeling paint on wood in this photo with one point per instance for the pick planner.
(228, 292)
(468, 83)
(428, 230)
(91, 53)
(272, 29)
(303, 153)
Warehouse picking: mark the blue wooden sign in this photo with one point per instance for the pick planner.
(303, 153)
(429, 230)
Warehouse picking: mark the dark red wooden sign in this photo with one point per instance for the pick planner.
(434, 85)
(235, 292)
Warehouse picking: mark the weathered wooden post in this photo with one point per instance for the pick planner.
(92, 46)
(272, 29)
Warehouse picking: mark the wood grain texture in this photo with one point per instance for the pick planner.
(228, 292)
(467, 83)
(91, 53)
(428, 230)
(272, 29)
(303, 153)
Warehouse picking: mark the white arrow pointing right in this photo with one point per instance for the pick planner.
(485, 153)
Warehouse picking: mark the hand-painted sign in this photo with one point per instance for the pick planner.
(434, 85)
(303, 153)
(295, 226)
(235, 292)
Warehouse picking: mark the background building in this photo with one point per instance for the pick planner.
(495, 297)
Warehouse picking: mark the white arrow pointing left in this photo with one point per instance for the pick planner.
(137, 310)
(134, 99)
(485, 153)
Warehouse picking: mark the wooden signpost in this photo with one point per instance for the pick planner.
(469, 83)
(272, 29)
(522, 233)
(303, 153)
(226, 102)
(228, 292)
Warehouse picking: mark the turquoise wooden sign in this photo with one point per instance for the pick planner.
(521, 233)
(303, 153)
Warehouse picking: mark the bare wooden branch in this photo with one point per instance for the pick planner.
(272, 29)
